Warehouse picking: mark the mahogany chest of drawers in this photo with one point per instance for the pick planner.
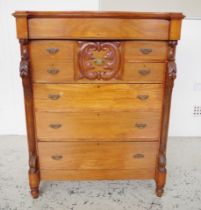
(97, 88)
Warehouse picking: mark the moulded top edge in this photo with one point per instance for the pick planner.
(99, 14)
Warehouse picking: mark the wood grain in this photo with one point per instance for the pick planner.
(90, 28)
(133, 51)
(102, 97)
(144, 72)
(39, 51)
(97, 155)
(64, 72)
(99, 14)
(144, 173)
(115, 126)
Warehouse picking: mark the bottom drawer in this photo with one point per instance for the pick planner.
(97, 155)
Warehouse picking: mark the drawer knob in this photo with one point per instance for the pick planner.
(143, 97)
(55, 126)
(145, 51)
(138, 156)
(57, 157)
(144, 72)
(99, 61)
(53, 71)
(54, 96)
(52, 50)
(140, 125)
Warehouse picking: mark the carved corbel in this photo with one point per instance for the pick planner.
(24, 63)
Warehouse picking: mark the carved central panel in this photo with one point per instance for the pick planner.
(99, 60)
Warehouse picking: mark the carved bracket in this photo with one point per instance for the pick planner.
(99, 60)
(24, 63)
(172, 68)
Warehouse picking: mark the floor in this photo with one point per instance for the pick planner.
(182, 192)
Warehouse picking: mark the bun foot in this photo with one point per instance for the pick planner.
(35, 193)
(159, 192)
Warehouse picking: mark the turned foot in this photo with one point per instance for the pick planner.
(159, 192)
(35, 193)
(34, 181)
(160, 182)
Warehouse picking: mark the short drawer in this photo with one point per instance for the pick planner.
(52, 51)
(144, 72)
(101, 126)
(101, 97)
(146, 50)
(97, 155)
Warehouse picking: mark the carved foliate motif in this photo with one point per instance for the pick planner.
(99, 60)
(24, 63)
(172, 68)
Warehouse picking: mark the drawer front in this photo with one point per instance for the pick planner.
(144, 72)
(99, 28)
(52, 72)
(145, 51)
(97, 155)
(118, 126)
(53, 51)
(101, 97)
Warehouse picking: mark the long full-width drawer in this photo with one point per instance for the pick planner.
(101, 97)
(97, 155)
(101, 126)
(99, 28)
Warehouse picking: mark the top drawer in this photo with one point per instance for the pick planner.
(98, 28)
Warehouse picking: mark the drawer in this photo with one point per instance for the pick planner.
(51, 52)
(146, 50)
(97, 155)
(144, 72)
(104, 126)
(52, 72)
(98, 28)
(101, 97)
(132, 73)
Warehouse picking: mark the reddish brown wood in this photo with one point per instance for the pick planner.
(169, 82)
(99, 60)
(100, 14)
(141, 43)
(34, 178)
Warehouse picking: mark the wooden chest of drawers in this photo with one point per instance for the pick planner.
(97, 89)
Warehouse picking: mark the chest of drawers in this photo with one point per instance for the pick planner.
(97, 88)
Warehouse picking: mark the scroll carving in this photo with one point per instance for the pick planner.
(24, 63)
(99, 60)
